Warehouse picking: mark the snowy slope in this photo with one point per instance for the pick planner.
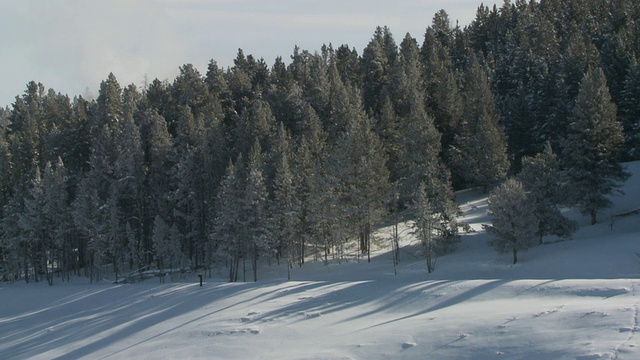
(576, 299)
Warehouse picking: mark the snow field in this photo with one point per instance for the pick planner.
(576, 299)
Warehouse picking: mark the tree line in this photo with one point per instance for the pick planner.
(280, 162)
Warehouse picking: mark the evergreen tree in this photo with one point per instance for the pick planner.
(14, 251)
(57, 213)
(514, 224)
(33, 224)
(86, 209)
(591, 150)
(219, 88)
(165, 245)
(5, 171)
(255, 124)
(109, 110)
(158, 97)
(314, 189)
(348, 65)
(24, 135)
(424, 226)
(540, 177)
(376, 65)
(255, 209)
(129, 176)
(157, 150)
(629, 111)
(480, 151)
(359, 168)
(284, 208)
(443, 100)
(227, 231)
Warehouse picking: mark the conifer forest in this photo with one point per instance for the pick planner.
(535, 102)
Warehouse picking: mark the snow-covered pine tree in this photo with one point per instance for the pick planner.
(480, 149)
(12, 245)
(443, 99)
(226, 236)
(161, 244)
(33, 223)
(362, 178)
(540, 177)
(284, 205)
(591, 149)
(424, 226)
(58, 216)
(129, 169)
(112, 231)
(318, 214)
(5, 169)
(86, 218)
(629, 111)
(256, 221)
(157, 145)
(514, 224)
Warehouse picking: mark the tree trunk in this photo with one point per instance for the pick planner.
(593, 217)
(515, 255)
(255, 262)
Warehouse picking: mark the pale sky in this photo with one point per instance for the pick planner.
(72, 45)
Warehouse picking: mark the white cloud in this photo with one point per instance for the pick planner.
(71, 45)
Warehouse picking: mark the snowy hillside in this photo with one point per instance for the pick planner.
(577, 299)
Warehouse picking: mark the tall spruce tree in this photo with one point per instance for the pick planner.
(480, 150)
(591, 150)
(359, 167)
(256, 221)
(443, 99)
(629, 111)
(284, 206)
(315, 191)
(227, 231)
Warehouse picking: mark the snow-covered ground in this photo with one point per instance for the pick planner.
(576, 299)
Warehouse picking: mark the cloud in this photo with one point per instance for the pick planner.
(72, 45)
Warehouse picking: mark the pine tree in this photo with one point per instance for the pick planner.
(162, 244)
(57, 214)
(109, 109)
(25, 135)
(359, 168)
(256, 123)
(33, 224)
(540, 177)
(226, 236)
(629, 111)
(14, 250)
(158, 157)
(443, 100)
(514, 223)
(5, 170)
(85, 214)
(480, 150)
(129, 175)
(314, 190)
(591, 150)
(189, 187)
(424, 226)
(255, 209)
(284, 207)
(376, 64)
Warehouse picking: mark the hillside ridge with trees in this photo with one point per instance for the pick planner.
(252, 162)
